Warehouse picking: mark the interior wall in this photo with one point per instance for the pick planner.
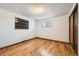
(8, 34)
(59, 30)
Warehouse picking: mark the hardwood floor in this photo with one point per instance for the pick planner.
(38, 47)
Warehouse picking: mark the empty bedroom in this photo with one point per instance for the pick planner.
(38, 29)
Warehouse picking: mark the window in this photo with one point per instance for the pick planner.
(21, 23)
(47, 23)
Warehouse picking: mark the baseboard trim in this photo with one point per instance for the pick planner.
(52, 40)
(17, 43)
(32, 39)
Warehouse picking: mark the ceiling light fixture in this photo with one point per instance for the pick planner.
(37, 9)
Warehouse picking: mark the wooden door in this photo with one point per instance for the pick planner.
(73, 29)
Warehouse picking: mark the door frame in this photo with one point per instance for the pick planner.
(75, 7)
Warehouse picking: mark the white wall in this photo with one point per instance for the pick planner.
(8, 34)
(59, 31)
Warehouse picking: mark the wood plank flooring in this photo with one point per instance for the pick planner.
(38, 47)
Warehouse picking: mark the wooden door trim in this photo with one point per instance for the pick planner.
(76, 8)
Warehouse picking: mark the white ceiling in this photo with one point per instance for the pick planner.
(51, 9)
